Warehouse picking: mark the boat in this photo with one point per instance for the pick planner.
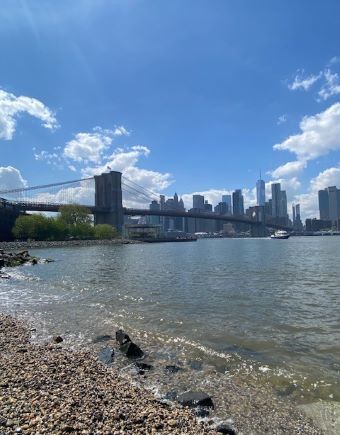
(280, 235)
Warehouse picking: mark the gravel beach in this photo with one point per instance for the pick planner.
(45, 388)
(62, 243)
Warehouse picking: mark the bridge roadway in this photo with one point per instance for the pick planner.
(44, 207)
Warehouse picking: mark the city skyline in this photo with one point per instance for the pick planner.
(196, 111)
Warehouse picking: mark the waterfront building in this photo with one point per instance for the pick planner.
(155, 206)
(227, 200)
(198, 202)
(329, 203)
(260, 192)
(318, 225)
(221, 208)
(276, 200)
(238, 203)
(323, 204)
(297, 223)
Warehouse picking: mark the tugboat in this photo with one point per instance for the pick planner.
(280, 235)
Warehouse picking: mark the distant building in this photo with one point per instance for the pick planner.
(198, 202)
(297, 223)
(238, 203)
(329, 203)
(318, 225)
(227, 200)
(279, 204)
(260, 192)
(154, 220)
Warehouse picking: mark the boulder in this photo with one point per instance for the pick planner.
(225, 428)
(201, 412)
(193, 399)
(131, 350)
(143, 366)
(122, 337)
(172, 369)
(106, 355)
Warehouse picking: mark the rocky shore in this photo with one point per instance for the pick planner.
(51, 390)
(13, 259)
(62, 243)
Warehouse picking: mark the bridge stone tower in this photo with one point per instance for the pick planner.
(108, 198)
(260, 229)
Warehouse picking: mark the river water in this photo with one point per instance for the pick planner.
(268, 309)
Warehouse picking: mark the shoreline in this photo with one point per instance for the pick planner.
(46, 388)
(61, 390)
(63, 243)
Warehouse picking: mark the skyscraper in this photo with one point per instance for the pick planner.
(198, 202)
(276, 200)
(323, 204)
(227, 200)
(261, 192)
(329, 204)
(238, 203)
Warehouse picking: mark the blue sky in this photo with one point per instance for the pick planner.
(187, 96)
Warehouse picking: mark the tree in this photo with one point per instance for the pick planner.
(105, 231)
(74, 214)
(37, 227)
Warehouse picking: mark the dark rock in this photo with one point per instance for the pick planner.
(58, 339)
(172, 369)
(141, 372)
(106, 355)
(201, 412)
(34, 261)
(3, 421)
(122, 337)
(131, 350)
(192, 399)
(143, 366)
(102, 338)
(171, 395)
(225, 428)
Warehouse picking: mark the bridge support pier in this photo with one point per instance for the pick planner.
(258, 230)
(108, 196)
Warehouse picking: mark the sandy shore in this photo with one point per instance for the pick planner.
(62, 243)
(51, 390)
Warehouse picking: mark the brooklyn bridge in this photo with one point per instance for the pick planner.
(104, 196)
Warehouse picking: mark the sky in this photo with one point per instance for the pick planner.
(194, 96)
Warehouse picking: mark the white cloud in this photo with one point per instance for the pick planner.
(121, 131)
(303, 81)
(282, 119)
(288, 169)
(11, 178)
(87, 147)
(334, 60)
(320, 135)
(331, 86)
(12, 106)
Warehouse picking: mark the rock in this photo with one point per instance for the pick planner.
(102, 338)
(192, 399)
(172, 369)
(106, 355)
(131, 350)
(171, 395)
(201, 412)
(225, 428)
(3, 421)
(58, 339)
(143, 366)
(122, 337)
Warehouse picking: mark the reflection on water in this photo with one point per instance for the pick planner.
(243, 306)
